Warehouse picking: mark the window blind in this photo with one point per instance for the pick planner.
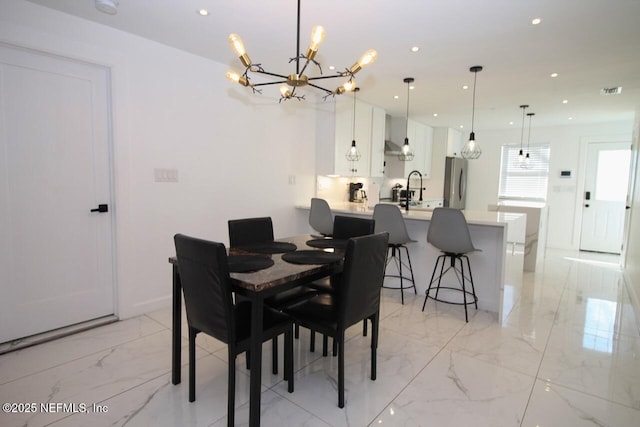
(524, 181)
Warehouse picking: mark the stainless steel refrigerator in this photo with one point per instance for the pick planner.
(455, 182)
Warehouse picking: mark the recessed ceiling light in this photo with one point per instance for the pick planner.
(554, 74)
(396, 97)
(511, 123)
(412, 87)
(332, 67)
(435, 114)
(536, 21)
(570, 118)
(415, 49)
(461, 126)
(565, 101)
(465, 87)
(203, 12)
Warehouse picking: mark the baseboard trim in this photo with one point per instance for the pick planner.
(32, 340)
(633, 296)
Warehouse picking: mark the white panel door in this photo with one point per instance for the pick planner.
(606, 183)
(55, 255)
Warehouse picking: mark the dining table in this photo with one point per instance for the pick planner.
(257, 286)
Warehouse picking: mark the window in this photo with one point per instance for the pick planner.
(524, 181)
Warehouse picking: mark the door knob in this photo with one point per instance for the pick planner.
(101, 208)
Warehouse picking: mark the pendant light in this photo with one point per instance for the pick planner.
(521, 153)
(353, 154)
(471, 149)
(407, 153)
(526, 159)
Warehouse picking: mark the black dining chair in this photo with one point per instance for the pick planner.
(356, 298)
(344, 227)
(210, 308)
(251, 231)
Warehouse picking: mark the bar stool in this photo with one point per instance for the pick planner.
(389, 218)
(449, 232)
(320, 217)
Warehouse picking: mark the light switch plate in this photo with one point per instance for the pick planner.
(166, 175)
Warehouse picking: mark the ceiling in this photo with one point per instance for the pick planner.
(590, 44)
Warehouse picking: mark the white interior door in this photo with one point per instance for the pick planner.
(56, 256)
(606, 184)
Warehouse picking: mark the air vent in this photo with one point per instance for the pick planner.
(611, 90)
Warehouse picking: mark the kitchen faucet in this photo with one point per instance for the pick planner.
(408, 189)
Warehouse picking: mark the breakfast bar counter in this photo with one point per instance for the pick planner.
(497, 268)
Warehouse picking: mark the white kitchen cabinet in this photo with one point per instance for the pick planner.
(421, 142)
(335, 131)
(452, 139)
(378, 133)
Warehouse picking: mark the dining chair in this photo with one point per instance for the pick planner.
(344, 227)
(357, 297)
(250, 231)
(210, 308)
(320, 217)
(449, 232)
(389, 218)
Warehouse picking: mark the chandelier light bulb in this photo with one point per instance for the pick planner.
(317, 36)
(369, 57)
(285, 91)
(237, 78)
(349, 85)
(238, 47)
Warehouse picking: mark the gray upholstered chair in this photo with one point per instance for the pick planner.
(449, 232)
(389, 218)
(320, 217)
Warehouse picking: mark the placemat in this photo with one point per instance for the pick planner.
(311, 257)
(247, 263)
(269, 247)
(327, 243)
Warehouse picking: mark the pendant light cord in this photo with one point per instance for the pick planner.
(354, 114)
(522, 133)
(407, 117)
(529, 137)
(473, 104)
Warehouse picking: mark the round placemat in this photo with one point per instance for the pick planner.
(269, 247)
(327, 243)
(311, 257)
(247, 263)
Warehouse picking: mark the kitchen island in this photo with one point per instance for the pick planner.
(497, 269)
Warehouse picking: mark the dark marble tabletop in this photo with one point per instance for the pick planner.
(281, 272)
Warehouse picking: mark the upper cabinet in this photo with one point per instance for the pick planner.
(453, 140)
(421, 142)
(378, 133)
(335, 132)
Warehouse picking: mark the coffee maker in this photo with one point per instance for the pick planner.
(354, 189)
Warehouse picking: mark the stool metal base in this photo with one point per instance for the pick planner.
(459, 272)
(396, 256)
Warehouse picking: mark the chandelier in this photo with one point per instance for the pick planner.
(290, 83)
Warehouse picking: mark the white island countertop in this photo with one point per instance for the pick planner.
(497, 267)
(494, 219)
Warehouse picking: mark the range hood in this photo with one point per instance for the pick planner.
(391, 148)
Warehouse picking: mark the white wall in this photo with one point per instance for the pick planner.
(176, 110)
(567, 153)
(632, 254)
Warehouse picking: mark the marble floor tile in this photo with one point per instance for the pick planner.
(567, 355)
(456, 390)
(43, 356)
(606, 366)
(399, 360)
(520, 349)
(554, 405)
